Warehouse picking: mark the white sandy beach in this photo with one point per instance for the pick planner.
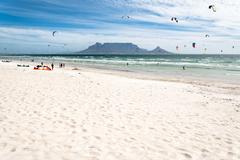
(70, 115)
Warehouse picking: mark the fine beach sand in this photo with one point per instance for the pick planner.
(82, 114)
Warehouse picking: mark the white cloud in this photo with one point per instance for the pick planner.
(227, 15)
(37, 40)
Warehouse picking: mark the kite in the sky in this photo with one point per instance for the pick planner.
(125, 17)
(213, 8)
(207, 36)
(194, 45)
(177, 48)
(174, 19)
(53, 33)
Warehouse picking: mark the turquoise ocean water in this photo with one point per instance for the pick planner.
(211, 66)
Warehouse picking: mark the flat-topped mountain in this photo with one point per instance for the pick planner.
(121, 49)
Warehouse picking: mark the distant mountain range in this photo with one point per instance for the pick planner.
(121, 49)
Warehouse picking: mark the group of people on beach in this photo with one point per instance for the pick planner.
(61, 65)
(52, 65)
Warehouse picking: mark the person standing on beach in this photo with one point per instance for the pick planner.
(52, 66)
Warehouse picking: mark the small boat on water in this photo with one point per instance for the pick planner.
(39, 67)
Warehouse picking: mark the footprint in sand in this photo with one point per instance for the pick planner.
(151, 128)
(182, 132)
(231, 153)
(187, 155)
(98, 138)
(13, 149)
(229, 142)
(204, 150)
(3, 145)
(94, 151)
(217, 138)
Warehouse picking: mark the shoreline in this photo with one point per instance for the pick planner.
(229, 86)
(175, 74)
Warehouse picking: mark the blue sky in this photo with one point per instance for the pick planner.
(26, 25)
